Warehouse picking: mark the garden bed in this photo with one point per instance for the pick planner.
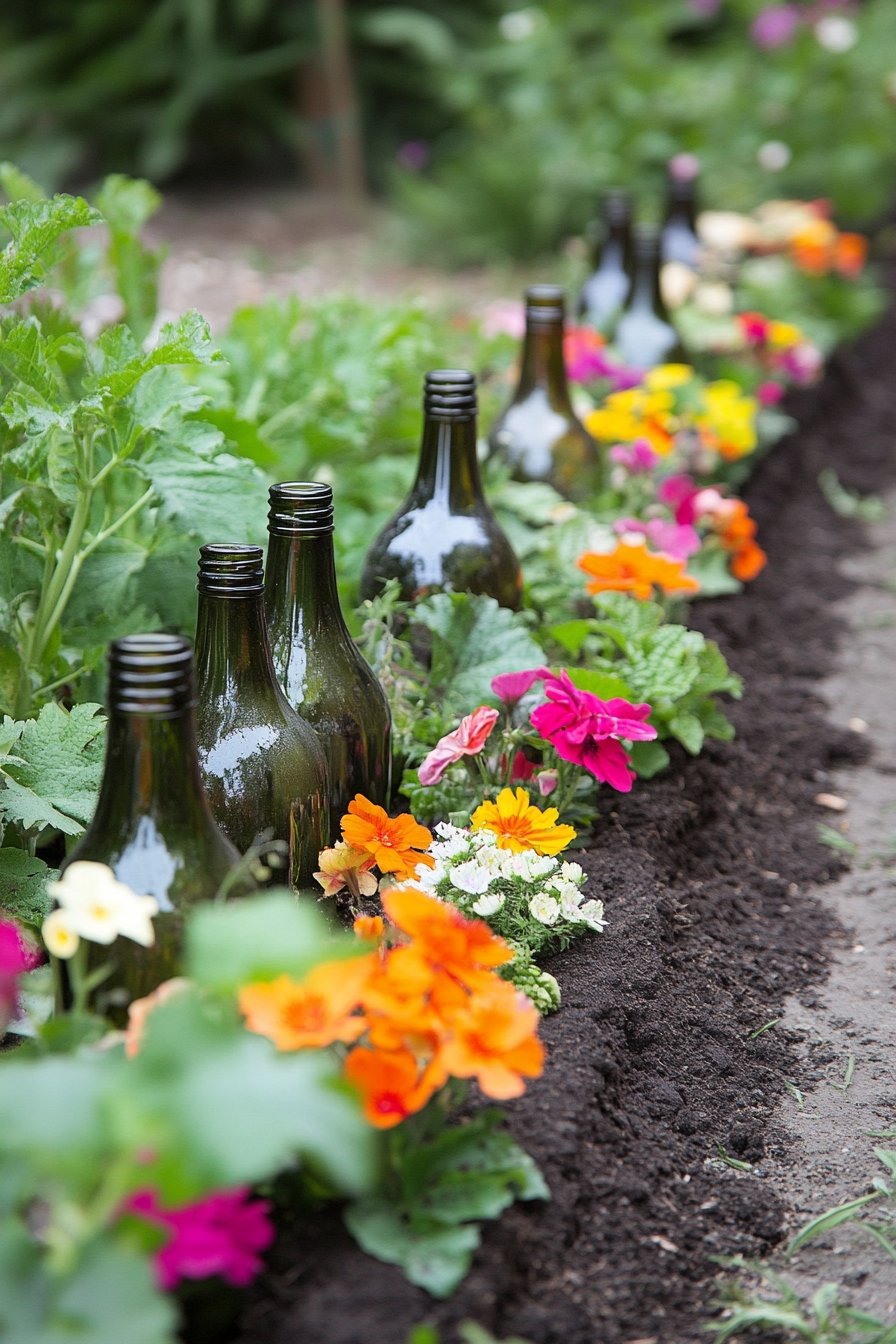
(654, 1071)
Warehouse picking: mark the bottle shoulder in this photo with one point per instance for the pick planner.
(175, 863)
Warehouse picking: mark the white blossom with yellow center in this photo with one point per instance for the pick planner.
(99, 908)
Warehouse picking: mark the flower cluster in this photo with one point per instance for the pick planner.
(631, 567)
(427, 1003)
(371, 838)
(94, 905)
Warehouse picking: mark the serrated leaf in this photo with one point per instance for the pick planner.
(23, 886)
(473, 639)
(121, 363)
(35, 227)
(214, 497)
(55, 779)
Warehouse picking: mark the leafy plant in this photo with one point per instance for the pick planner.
(821, 1319)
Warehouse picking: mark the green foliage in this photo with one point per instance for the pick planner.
(473, 640)
(441, 1187)
(821, 1319)
(50, 767)
(23, 884)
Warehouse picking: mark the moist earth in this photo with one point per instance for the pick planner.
(655, 1069)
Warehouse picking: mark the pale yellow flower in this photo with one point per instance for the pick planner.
(100, 908)
(59, 937)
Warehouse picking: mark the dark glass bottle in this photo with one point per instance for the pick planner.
(680, 242)
(606, 289)
(153, 825)
(262, 765)
(321, 670)
(539, 434)
(445, 536)
(645, 335)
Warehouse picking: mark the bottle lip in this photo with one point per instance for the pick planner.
(545, 305)
(449, 394)
(300, 508)
(151, 674)
(618, 204)
(231, 569)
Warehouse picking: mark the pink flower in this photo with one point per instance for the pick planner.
(521, 769)
(583, 729)
(803, 363)
(769, 393)
(512, 686)
(468, 739)
(546, 781)
(16, 957)
(222, 1234)
(504, 317)
(584, 355)
(637, 457)
(775, 26)
(754, 328)
(679, 493)
(679, 540)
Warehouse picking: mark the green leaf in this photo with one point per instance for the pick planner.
(571, 634)
(473, 639)
(605, 685)
(53, 777)
(435, 1258)
(688, 729)
(648, 758)
(36, 226)
(210, 495)
(259, 939)
(23, 886)
(17, 185)
(120, 363)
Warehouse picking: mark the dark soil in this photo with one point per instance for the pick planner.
(652, 1063)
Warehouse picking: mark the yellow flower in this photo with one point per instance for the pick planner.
(633, 414)
(59, 936)
(519, 825)
(343, 866)
(784, 335)
(667, 375)
(728, 419)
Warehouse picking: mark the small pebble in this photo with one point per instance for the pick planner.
(832, 801)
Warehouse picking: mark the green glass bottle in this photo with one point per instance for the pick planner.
(606, 289)
(153, 825)
(262, 765)
(539, 435)
(680, 242)
(645, 334)
(444, 536)
(321, 670)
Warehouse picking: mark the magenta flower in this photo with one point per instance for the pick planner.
(637, 458)
(775, 26)
(510, 687)
(679, 493)
(521, 768)
(679, 540)
(222, 1234)
(468, 739)
(584, 355)
(769, 393)
(15, 959)
(585, 730)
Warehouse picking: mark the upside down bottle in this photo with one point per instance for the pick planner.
(606, 289)
(321, 670)
(444, 536)
(262, 765)
(153, 825)
(645, 335)
(539, 435)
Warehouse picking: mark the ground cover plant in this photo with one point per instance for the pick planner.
(111, 445)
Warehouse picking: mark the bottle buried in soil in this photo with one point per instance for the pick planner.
(321, 671)
(539, 435)
(153, 825)
(606, 289)
(262, 765)
(645, 335)
(444, 536)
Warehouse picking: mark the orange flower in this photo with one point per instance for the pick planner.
(632, 568)
(749, 561)
(391, 840)
(813, 246)
(309, 1013)
(370, 928)
(737, 533)
(495, 1042)
(461, 948)
(519, 825)
(343, 866)
(850, 254)
(391, 1084)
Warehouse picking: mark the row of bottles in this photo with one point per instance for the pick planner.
(623, 297)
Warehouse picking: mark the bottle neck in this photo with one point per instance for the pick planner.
(543, 365)
(151, 770)
(233, 656)
(616, 250)
(646, 295)
(448, 470)
(681, 209)
(300, 584)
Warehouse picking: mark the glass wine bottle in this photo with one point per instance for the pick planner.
(321, 670)
(680, 242)
(606, 289)
(153, 825)
(539, 435)
(444, 536)
(645, 335)
(262, 765)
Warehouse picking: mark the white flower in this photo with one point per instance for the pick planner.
(528, 865)
(100, 908)
(836, 33)
(489, 904)
(569, 896)
(453, 841)
(427, 879)
(518, 25)
(592, 913)
(58, 935)
(773, 156)
(471, 877)
(572, 872)
(544, 908)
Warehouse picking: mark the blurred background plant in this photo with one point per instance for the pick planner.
(491, 126)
